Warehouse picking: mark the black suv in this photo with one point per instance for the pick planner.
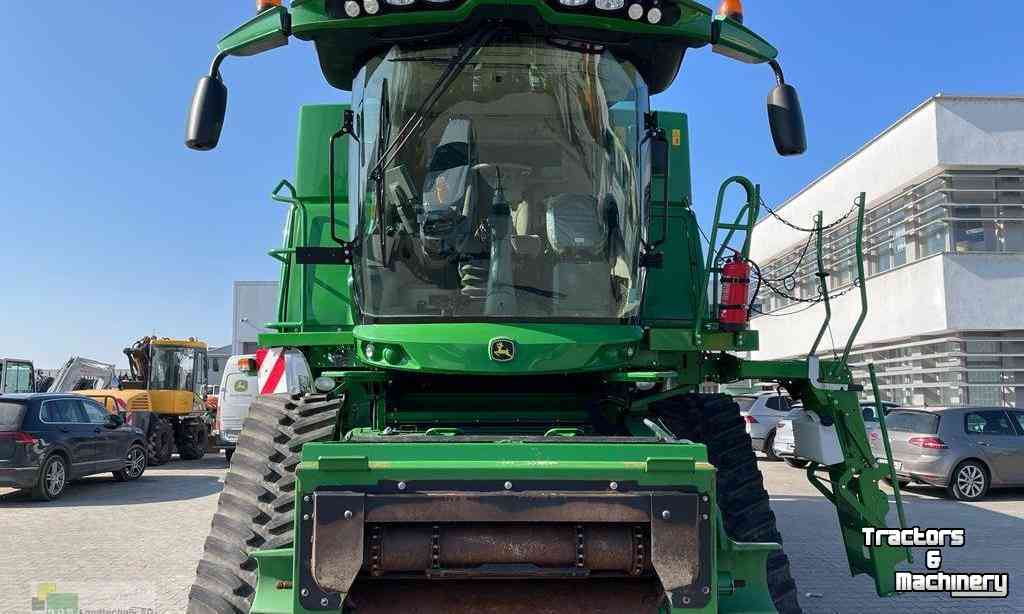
(47, 440)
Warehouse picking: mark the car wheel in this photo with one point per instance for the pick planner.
(969, 481)
(769, 448)
(136, 465)
(53, 479)
(797, 463)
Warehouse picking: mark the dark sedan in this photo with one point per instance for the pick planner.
(47, 440)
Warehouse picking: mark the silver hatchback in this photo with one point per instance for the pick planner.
(966, 450)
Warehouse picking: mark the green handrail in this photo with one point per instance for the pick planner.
(711, 271)
(888, 453)
(861, 204)
(284, 256)
(822, 285)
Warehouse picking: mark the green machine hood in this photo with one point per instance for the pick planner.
(497, 349)
(343, 43)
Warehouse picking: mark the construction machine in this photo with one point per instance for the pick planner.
(494, 278)
(163, 396)
(78, 374)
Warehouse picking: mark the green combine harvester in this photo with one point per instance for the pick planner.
(497, 288)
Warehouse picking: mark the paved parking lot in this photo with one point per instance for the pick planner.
(137, 544)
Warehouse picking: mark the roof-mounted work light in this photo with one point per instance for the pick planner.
(733, 9)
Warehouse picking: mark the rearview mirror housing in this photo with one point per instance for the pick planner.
(786, 120)
(206, 115)
(659, 154)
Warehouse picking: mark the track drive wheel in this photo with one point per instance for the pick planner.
(256, 506)
(192, 440)
(160, 442)
(714, 420)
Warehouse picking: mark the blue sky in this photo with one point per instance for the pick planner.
(112, 229)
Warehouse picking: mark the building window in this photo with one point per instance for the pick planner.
(960, 212)
(964, 368)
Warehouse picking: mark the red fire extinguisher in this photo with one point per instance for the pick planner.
(733, 314)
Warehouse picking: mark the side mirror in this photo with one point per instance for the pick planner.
(206, 115)
(114, 421)
(786, 120)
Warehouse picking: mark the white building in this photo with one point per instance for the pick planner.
(944, 255)
(255, 304)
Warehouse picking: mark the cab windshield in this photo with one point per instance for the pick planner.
(172, 368)
(520, 195)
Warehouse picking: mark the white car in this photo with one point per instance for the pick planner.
(784, 444)
(762, 412)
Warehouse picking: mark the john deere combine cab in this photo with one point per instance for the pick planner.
(494, 276)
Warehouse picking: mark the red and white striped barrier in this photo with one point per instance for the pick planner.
(271, 364)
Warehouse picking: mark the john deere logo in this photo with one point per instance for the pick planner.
(241, 385)
(503, 350)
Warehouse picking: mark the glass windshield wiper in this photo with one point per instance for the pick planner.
(383, 136)
(455, 65)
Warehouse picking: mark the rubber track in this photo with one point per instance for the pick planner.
(715, 421)
(254, 511)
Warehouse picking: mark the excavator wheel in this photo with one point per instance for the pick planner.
(160, 441)
(255, 508)
(714, 420)
(192, 440)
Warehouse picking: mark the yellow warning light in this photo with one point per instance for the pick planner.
(262, 5)
(733, 9)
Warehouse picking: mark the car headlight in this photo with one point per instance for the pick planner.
(609, 5)
(573, 2)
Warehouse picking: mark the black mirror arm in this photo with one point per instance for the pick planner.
(780, 78)
(347, 127)
(215, 65)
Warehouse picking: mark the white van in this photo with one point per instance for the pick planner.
(238, 387)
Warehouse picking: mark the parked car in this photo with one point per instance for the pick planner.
(966, 450)
(784, 444)
(762, 413)
(239, 385)
(47, 440)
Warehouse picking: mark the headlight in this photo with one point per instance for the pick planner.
(636, 11)
(372, 7)
(370, 350)
(609, 5)
(324, 384)
(352, 8)
(399, 2)
(654, 15)
(572, 2)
